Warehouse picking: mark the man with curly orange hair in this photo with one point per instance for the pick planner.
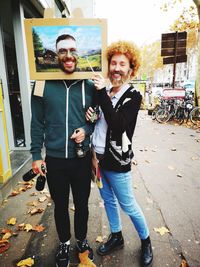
(112, 146)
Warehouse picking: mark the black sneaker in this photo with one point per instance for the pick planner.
(62, 256)
(82, 246)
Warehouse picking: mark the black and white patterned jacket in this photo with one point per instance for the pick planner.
(121, 122)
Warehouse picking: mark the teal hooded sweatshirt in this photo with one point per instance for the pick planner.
(57, 114)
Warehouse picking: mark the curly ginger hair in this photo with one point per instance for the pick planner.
(128, 49)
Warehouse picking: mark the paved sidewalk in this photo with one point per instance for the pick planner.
(166, 181)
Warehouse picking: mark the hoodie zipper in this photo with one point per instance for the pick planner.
(67, 115)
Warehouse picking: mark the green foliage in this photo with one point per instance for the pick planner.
(37, 42)
(95, 62)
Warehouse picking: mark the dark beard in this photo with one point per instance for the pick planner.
(63, 69)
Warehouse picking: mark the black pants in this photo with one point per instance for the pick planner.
(63, 174)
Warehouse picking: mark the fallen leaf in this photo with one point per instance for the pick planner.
(48, 195)
(134, 162)
(22, 189)
(42, 199)
(6, 236)
(85, 260)
(184, 263)
(29, 186)
(14, 193)
(38, 228)
(32, 203)
(162, 230)
(28, 227)
(99, 239)
(173, 149)
(11, 221)
(36, 210)
(6, 230)
(20, 227)
(27, 262)
(4, 245)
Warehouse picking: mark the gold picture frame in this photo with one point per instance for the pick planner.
(91, 39)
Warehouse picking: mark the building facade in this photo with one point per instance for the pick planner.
(15, 84)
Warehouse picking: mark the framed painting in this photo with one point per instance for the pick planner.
(66, 48)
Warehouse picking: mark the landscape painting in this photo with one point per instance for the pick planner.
(90, 37)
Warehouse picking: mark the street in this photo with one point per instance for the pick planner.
(166, 182)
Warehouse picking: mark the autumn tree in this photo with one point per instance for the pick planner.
(151, 59)
(187, 21)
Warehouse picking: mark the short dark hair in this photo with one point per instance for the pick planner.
(64, 37)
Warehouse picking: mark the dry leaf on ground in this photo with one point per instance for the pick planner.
(20, 227)
(134, 162)
(6, 236)
(42, 199)
(99, 239)
(173, 149)
(162, 230)
(35, 211)
(184, 263)
(6, 230)
(32, 203)
(27, 262)
(85, 260)
(28, 227)
(14, 193)
(12, 221)
(38, 228)
(4, 245)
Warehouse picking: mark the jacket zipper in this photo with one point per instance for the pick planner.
(67, 116)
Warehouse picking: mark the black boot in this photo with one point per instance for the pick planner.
(147, 254)
(115, 241)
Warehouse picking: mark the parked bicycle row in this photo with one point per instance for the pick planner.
(177, 109)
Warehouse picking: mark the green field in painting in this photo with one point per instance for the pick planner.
(95, 62)
(82, 65)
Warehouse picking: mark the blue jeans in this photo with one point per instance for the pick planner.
(117, 190)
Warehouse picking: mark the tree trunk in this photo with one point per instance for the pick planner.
(197, 3)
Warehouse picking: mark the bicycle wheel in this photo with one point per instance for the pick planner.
(179, 116)
(162, 115)
(195, 115)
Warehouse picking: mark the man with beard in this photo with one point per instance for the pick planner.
(58, 123)
(112, 147)
(67, 53)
